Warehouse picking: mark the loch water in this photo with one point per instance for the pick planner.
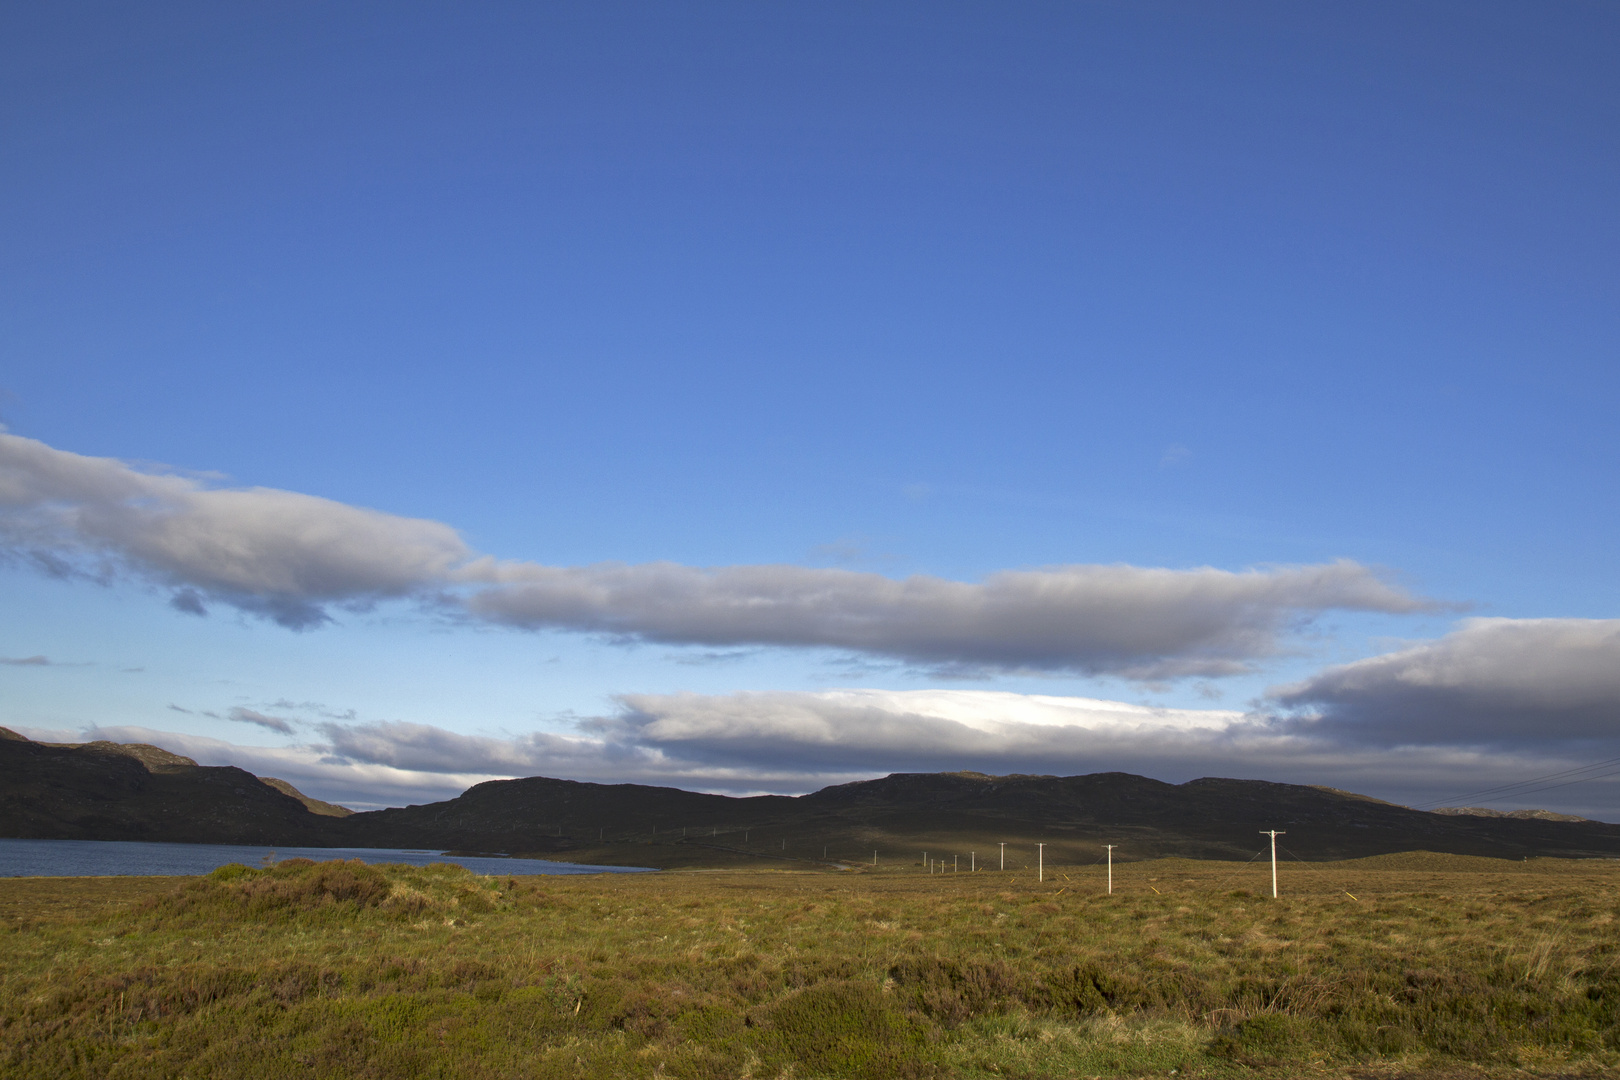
(101, 858)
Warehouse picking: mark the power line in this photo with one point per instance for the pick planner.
(1527, 783)
(1567, 783)
(1504, 791)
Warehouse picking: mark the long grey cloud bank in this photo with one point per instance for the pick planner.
(1508, 681)
(798, 741)
(278, 554)
(1134, 621)
(292, 558)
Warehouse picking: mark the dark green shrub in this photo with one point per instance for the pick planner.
(1266, 1039)
(846, 1028)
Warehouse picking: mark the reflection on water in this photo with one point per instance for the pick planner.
(99, 858)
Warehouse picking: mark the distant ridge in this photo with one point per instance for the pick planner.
(1523, 815)
(111, 791)
(314, 806)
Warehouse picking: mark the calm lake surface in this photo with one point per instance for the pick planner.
(100, 858)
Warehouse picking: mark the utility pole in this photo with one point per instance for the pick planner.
(1040, 862)
(1273, 833)
(874, 858)
(973, 862)
(1004, 854)
(954, 867)
(1110, 848)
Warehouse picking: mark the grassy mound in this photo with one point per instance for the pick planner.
(302, 888)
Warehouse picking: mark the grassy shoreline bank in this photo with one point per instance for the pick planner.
(1397, 965)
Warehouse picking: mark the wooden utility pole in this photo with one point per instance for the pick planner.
(1110, 848)
(1273, 833)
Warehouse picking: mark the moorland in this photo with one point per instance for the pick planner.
(1413, 965)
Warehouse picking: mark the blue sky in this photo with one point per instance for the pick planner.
(927, 292)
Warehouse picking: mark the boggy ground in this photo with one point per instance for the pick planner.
(1402, 966)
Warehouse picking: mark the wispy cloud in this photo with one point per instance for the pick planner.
(259, 719)
(26, 661)
(290, 557)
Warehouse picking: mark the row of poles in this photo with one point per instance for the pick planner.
(937, 866)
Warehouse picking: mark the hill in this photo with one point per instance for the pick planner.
(133, 791)
(970, 815)
(107, 791)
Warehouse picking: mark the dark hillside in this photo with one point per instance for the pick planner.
(967, 814)
(539, 814)
(105, 791)
(113, 791)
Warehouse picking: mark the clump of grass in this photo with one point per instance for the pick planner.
(302, 887)
(340, 969)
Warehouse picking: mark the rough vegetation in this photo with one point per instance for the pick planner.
(1400, 966)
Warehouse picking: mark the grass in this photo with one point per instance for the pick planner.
(1399, 966)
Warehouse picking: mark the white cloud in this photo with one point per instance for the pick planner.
(1489, 681)
(925, 730)
(1138, 622)
(311, 768)
(288, 557)
(878, 731)
(791, 742)
(371, 766)
(275, 553)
